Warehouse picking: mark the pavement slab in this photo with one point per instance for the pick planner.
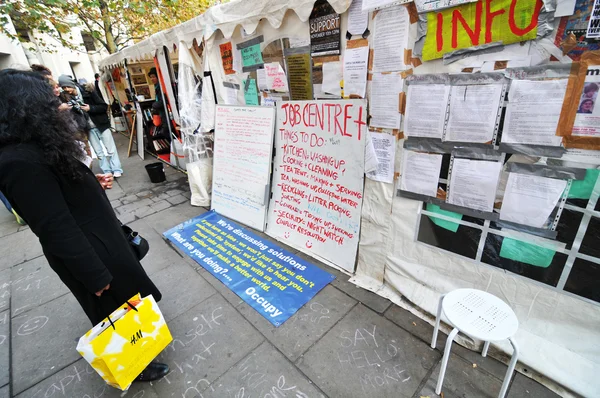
(5, 392)
(263, 373)
(5, 289)
(19, 247)
(34, 283)
(207, 341)
(366, 355)
(167, 219)
(524, 387)
(160, 255)
(44, 340)
(307, 325)
(4, 348)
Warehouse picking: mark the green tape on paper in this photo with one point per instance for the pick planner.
(527, 253)
(449, 225)
(582, 189)
(251, 55)
(251, 93)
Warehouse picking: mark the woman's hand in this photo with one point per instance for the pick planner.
(85, 107)
(105, 180)
(105, 288)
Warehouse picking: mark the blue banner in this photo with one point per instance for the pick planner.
(270, 279)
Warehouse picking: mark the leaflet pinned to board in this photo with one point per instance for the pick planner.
(385, 151)
(390, 39)
(530, 199)
(385, 91)
(421, 173)
(473, 184)
(356, 58)
(533, 112)
(473, 113)
(426, 110)
(358, 20)
(587, 118)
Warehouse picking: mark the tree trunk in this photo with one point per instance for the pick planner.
(111, 46)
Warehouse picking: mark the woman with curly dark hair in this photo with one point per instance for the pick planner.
(63, 202)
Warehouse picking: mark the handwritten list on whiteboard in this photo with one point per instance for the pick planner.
(318, 178)
(242, 163)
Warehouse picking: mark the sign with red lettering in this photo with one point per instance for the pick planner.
(318, 178)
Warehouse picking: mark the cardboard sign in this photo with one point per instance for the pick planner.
(268, 278)
(483, 22)
(318, 178)
(227, 58)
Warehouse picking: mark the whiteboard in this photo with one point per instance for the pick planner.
(318, 176)
(242, 163)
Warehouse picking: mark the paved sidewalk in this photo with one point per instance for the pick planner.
(346, 342)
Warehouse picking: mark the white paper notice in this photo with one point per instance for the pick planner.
(355, 71)
(473, 111)
(358, 20)
(385, 91)
(390, 39)
(261, 77)
(370, 155)
(421, 173)
(530, 200)
(385, 150)
(368, 5)
(473, 184)
(593, 30)
(426, 110)
(276, 79)
(587, 119)
(332, 77)
(533, 111)
(231, 96)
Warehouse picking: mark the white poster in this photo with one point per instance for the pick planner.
(276, 80)
(384, 100)
(426, 110)
(385, 151)
(587, 120)
(533, 111)
(358, 20)
(421, 173)
(390, 39)
(318, 177)
(593, 29)
(370, 5)
(473, 184)
(242, 163)
(530, 200)
(355, 71)
(473, 111)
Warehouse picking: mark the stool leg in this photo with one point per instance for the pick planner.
(485, 349)
(437, 322)
(511, 368)
(449, 341)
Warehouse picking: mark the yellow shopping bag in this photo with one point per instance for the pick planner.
(120, 347)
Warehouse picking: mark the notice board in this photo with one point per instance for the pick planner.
(318, 178)
(242, 163)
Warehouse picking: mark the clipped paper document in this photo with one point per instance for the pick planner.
(426, 110)
(473, 184)
(385, 91)
(385, 150)
(421, 173)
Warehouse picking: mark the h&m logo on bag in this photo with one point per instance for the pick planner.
(137, 336)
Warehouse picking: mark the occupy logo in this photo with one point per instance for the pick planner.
(269, 308)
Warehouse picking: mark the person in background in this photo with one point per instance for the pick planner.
(153, 75)
(63, 203)
(97, 85)
(98, 112)
(42, 70)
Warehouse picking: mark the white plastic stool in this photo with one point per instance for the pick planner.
(479, 315)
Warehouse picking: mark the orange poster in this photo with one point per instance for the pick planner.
(227, 58)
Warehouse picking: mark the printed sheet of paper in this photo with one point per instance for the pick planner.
(587, 119)
(473, 183)
(426, 110)
(533, 111)
(370, 155)
(431, 5)
(530, 199)
(369, 5)
(332, 77)
(421, 173)
(231, 96)
(261, 77)
(473, 111)
(299, 72)
(358, 20)
(355, 70)
(385, 150)
(390, 39)
(276, 78)
(593, 29)
(385, 90)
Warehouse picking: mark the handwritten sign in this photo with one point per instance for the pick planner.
(318, 177)
(251, 57)
(268, 278)
(275, 76)
(482, 22)
(227, 58)
(242, 162)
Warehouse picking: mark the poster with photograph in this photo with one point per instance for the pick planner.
(138, 79)
(325, 31)
(587, 119)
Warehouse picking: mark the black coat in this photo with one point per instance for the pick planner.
(98, 109)
(77, 228)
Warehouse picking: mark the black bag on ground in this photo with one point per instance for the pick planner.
(138, 244)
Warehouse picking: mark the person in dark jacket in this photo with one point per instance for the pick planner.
(64, 203)
(97, 85)
(109, 163)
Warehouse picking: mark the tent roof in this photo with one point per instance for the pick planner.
(224, 17)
